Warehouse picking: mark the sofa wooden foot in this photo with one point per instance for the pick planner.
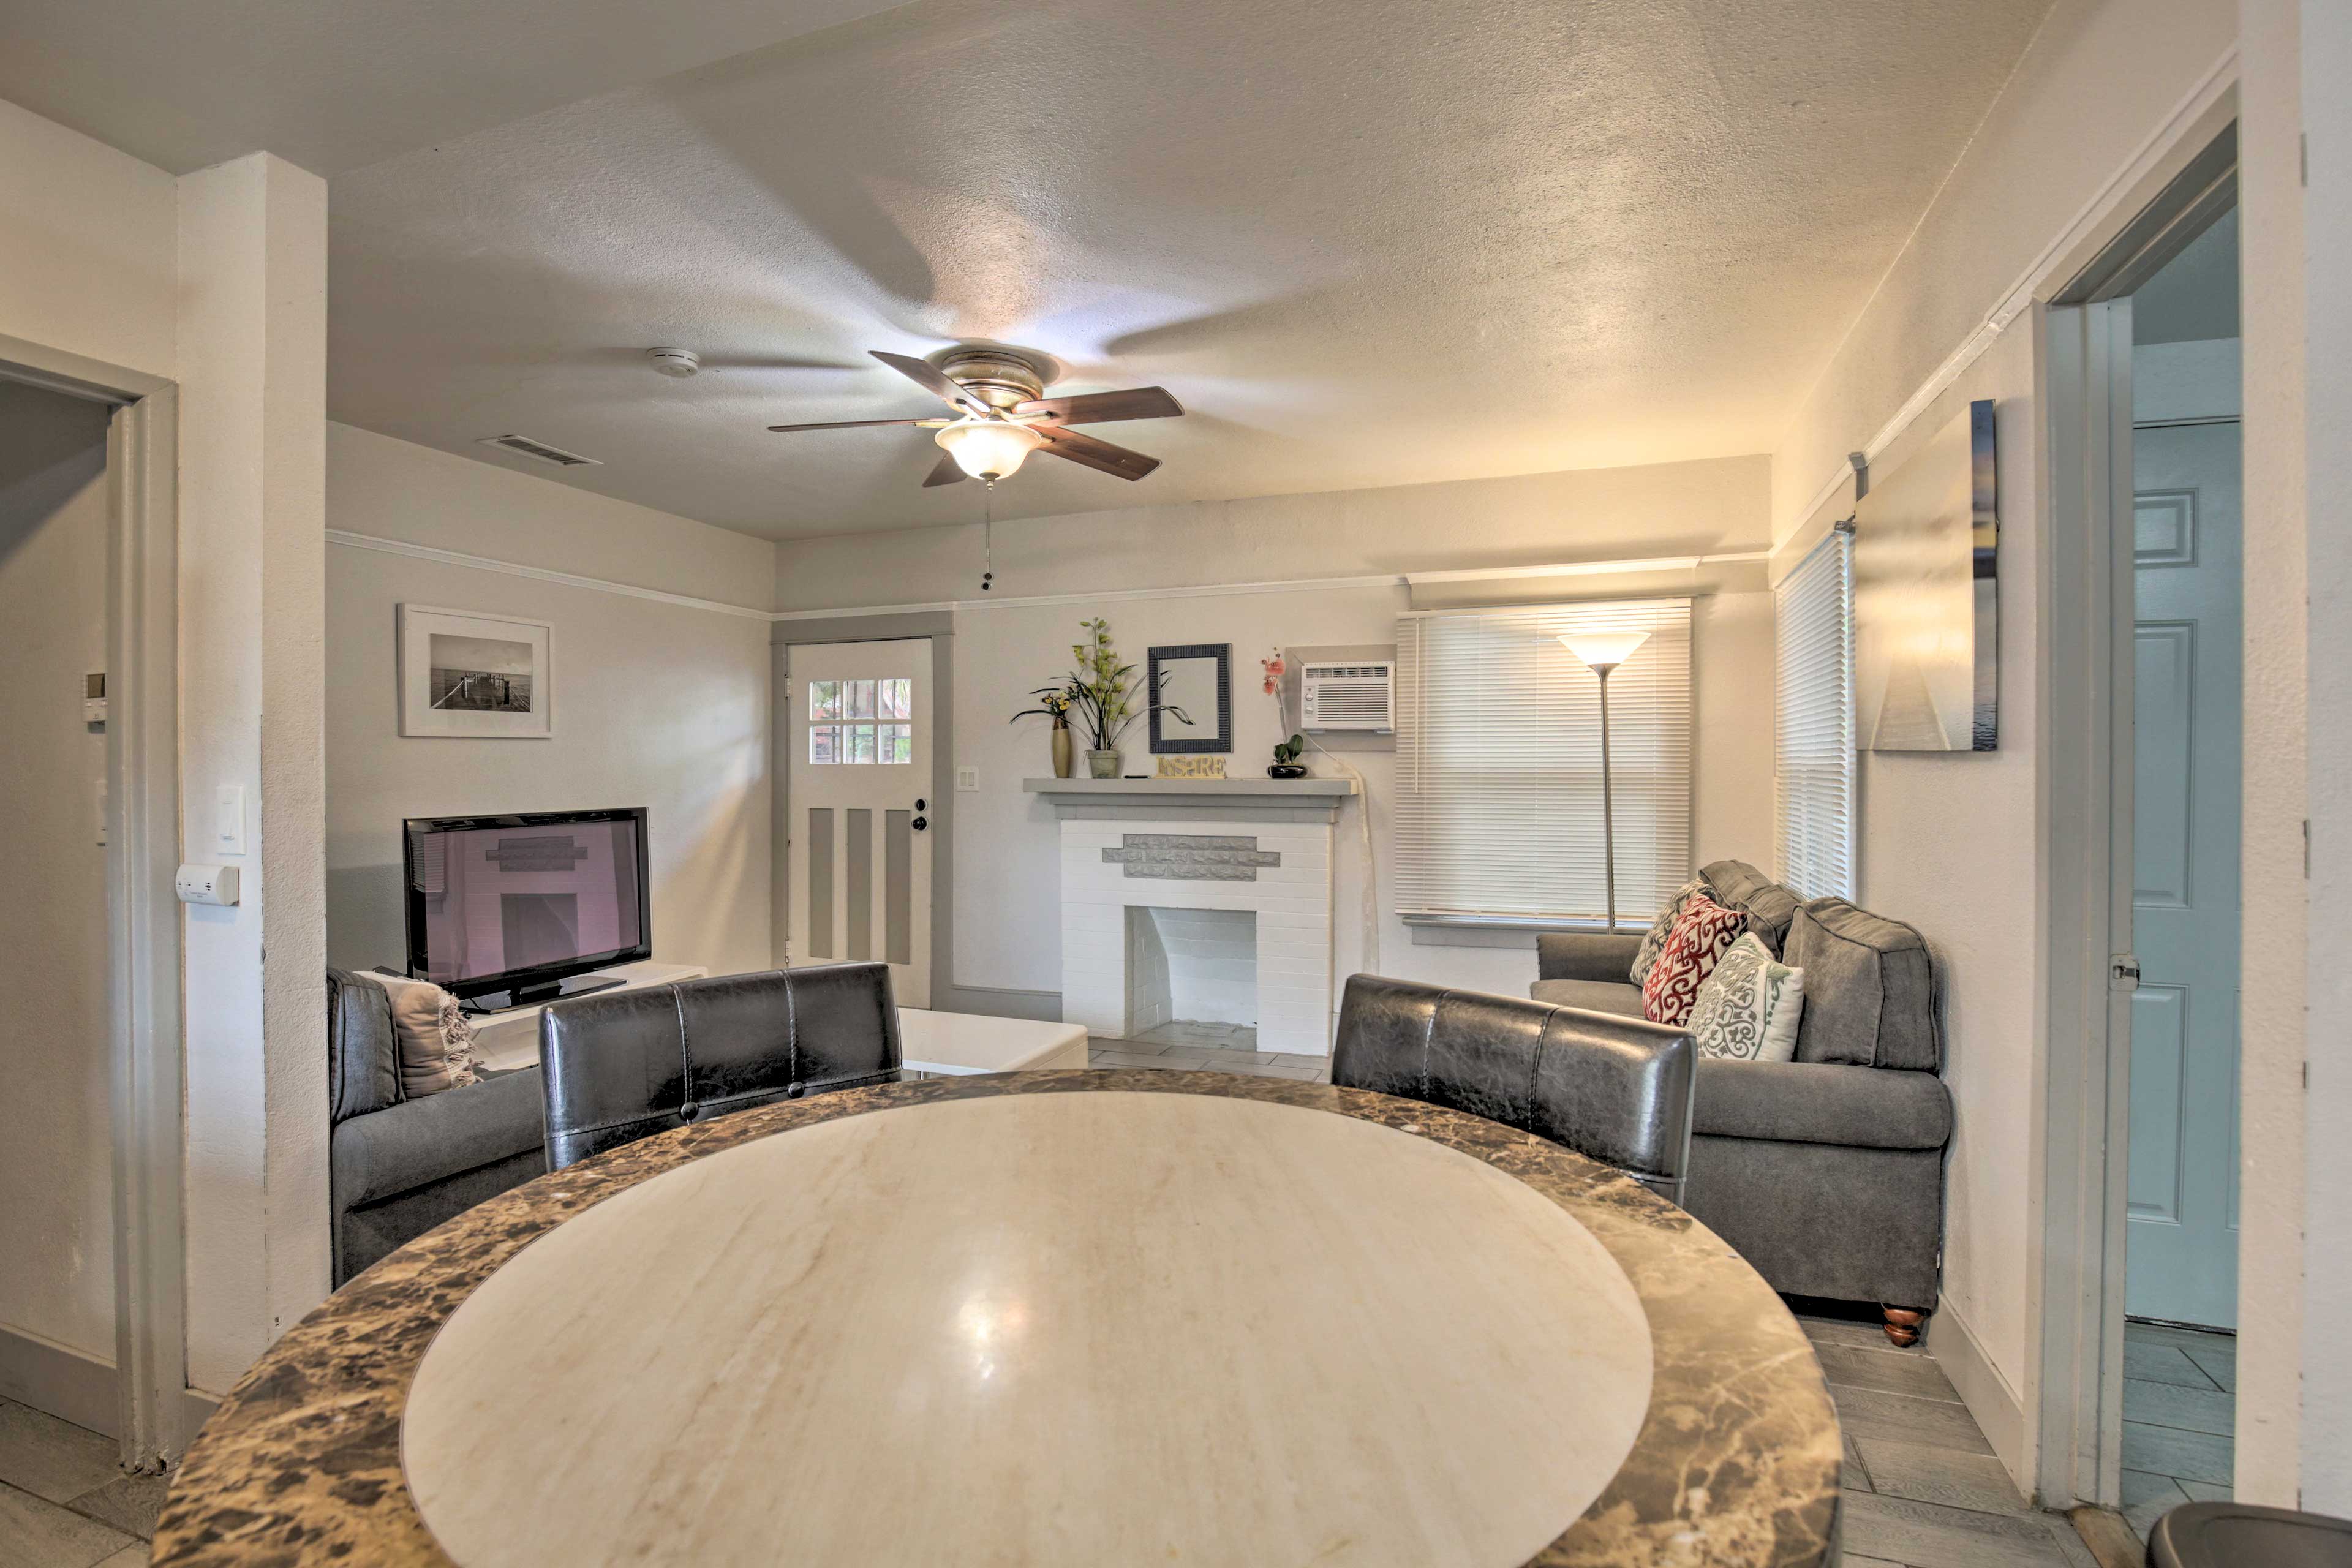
(1902, 1324)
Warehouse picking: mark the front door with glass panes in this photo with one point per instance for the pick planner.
(858, 853)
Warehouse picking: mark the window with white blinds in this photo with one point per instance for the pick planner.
(1498, 764)
(1812, 722)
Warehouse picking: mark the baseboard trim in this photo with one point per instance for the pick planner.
(195, 1409)
(71, 1385)
(1999, 1413)
(997, 1001)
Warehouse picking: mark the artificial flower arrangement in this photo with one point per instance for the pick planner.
(1104, 694)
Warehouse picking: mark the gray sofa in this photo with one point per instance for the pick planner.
(396, 1166)
(1826, 1173)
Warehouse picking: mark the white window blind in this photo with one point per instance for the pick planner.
(1498, 764)
(1812, 722)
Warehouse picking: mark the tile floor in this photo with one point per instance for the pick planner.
(2179, 1414)
(64, 1499)
(1921, 1486)
(1195, 1048)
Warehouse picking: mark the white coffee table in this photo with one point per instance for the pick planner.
(956, 1044)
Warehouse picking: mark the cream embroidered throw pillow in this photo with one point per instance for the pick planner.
(436, 1043)
(1748, 1006)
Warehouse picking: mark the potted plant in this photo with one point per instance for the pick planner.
(1287, 764)
(1104, 696)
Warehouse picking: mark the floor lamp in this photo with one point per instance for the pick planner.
(1602, 652)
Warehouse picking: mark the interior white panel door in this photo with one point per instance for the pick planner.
(858, 847)
(2182, 1196)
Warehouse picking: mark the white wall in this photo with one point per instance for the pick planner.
(1660, 510)
(88, 253)
(56, 1228)
(253, 369)
(2294, 1282)
(217, 280)
(1948, 842)
(1948, 846)
(2324, 1471)
(657, 704)
(1007, 918)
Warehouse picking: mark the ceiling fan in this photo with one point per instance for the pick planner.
(1003, 414)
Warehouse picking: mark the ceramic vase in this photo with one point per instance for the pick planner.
(1102, 764)
(1062, 750)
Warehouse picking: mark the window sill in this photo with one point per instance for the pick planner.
(1480, 931)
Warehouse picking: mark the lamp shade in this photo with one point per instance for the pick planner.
(989, 448)
(1603, 650)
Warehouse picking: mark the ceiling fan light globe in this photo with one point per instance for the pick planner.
(988, 448)
(1603, 650)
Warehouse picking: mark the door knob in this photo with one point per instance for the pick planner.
(920, 823)
(922, 805)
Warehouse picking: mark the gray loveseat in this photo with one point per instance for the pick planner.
(397, 1166)
(1826, 1173)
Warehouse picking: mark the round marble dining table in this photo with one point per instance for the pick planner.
(1047, 1318)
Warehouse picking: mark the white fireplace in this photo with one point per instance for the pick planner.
(1185, 897)
(1191, 966)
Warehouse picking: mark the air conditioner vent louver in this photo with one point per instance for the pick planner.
(1349, 696)
(523, 445)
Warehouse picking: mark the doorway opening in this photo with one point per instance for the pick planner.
(2180, 1281)
(90, 1329)
(2141, 850)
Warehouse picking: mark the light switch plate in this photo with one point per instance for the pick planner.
(229, 813)
(967, 778)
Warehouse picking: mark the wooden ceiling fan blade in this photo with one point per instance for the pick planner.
(945, 472)
(1103, 407)
(851, 424)
(924, 374)
(1089, 452)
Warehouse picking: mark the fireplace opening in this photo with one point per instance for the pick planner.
(1192, 975)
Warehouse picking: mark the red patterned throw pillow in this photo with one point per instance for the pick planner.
(1705, 932)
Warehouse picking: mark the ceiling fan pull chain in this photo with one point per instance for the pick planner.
(988, 535)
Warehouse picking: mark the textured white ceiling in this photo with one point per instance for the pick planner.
(1366, 242)
(333, 84)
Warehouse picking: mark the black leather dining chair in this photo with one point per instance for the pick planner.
(627, 1064)
(1613, 1088)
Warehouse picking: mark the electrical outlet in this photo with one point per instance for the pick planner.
(967, 778)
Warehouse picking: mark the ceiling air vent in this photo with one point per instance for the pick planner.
(539, 450)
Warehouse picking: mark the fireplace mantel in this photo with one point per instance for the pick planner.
(1266, 800)
(1136, 852)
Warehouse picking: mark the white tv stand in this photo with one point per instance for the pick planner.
(509, 1041)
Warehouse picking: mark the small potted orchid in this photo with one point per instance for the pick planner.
(1286, 754)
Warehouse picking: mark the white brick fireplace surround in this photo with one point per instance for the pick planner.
(1258, 847)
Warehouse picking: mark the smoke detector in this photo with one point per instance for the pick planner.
(677, 362)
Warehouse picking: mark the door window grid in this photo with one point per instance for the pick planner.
(861, 721)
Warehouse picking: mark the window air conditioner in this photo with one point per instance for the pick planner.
(1355, 696)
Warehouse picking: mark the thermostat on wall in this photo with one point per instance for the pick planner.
(205, 884)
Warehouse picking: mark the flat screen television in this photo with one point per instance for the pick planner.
(509, 910)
